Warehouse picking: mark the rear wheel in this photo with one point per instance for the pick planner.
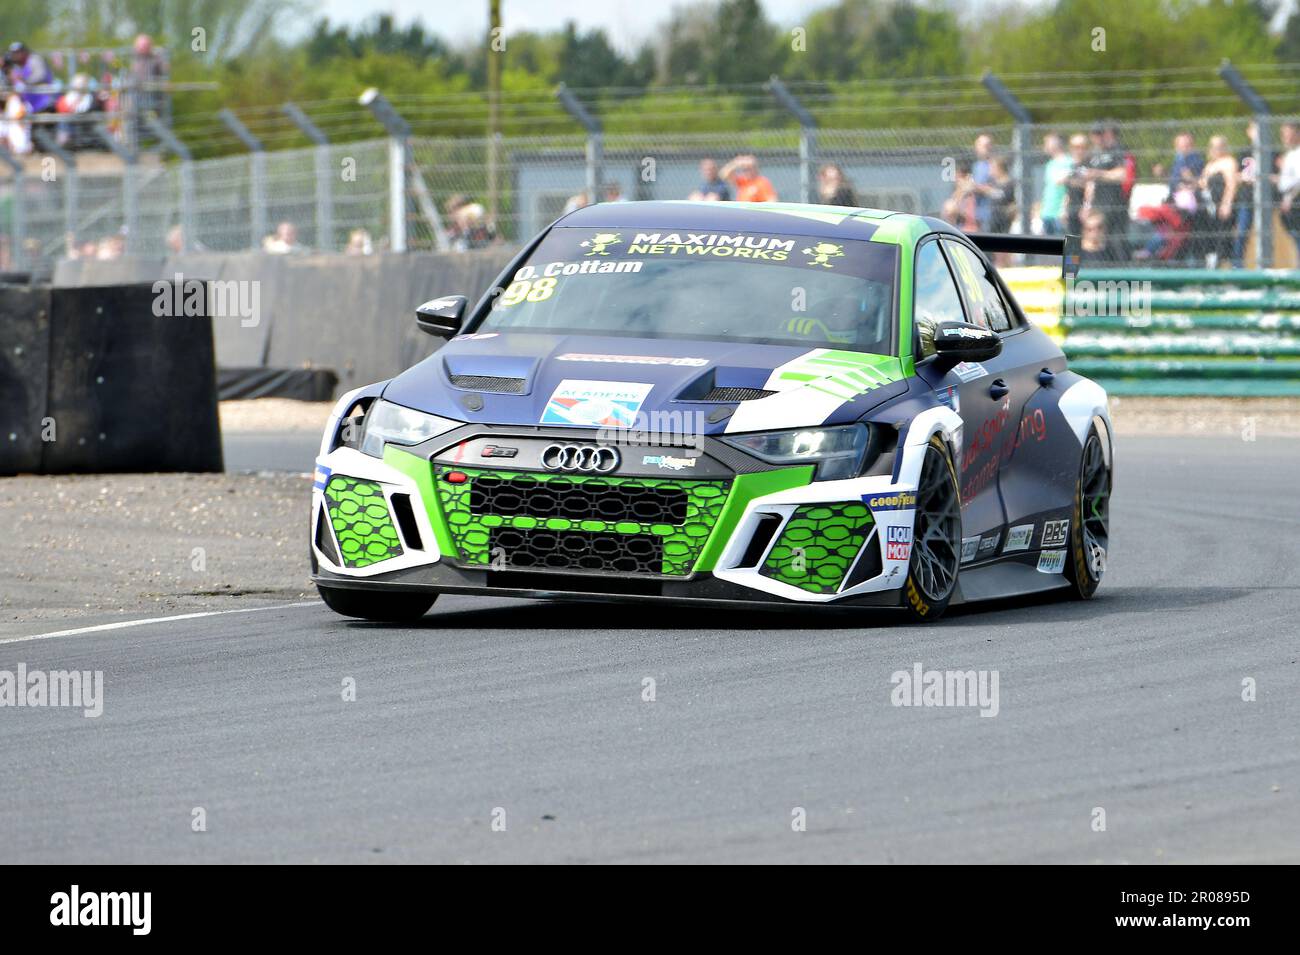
(1090, 528)
(936, 537)
(376, 604)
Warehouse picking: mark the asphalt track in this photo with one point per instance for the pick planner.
(1131, 703)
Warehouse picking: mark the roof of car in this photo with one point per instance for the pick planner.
(789, 217)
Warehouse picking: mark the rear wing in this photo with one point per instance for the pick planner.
(1066, 248)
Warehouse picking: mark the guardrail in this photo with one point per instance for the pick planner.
(1172, 331)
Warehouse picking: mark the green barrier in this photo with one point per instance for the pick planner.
(1184, 321)
(1112, 346)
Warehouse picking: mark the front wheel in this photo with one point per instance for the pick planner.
(376, 604)
(936, 537)
(1090, 529)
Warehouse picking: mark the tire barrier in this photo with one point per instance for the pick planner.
(92, 380)
(352, 315)
(1173, 331)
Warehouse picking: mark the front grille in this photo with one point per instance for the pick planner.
(529, 521)
(539, 549)
(525, 496)
(500, 386)
(736, 394)
(359, 515)
(818, 546)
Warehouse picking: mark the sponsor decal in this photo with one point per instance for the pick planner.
(322, 476)
(667, 462)
(600, 242)
(607, 404)
(1055, 533)
(822, 253)
(841, 374)
(634, 359)
(712, 244)
(1019, 537)
(890, 502)
(898, 543)
(988, 544)
(969, 370)
(961, 331)
(950, 397)
(498, 451)
(1051, 562)
(969, 547)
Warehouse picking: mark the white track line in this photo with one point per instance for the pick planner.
(123, 624)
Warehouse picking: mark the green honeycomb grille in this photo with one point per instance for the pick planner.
(362, 525)
(818, 546)
(683, 535)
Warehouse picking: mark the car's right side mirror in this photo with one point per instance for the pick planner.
(956, 342)
(442, 316)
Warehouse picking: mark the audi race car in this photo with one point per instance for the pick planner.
(724, 403)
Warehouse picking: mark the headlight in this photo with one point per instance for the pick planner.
(838, 452)
(387, 423)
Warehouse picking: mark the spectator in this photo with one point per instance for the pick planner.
(1221, 182)
(31, 78)
(614, 192)
(834, 187)
(359, 243)
(750, 185)
(111, 247)
(575, 202)
(1095, 243)
(1188, 164)
(1168, 228)
(1051, 208)
(1110, 172)
(980, 173)
(959, 209)
(1000, 191)
(467, 224)
(1076, 184)
(712, 187)
(79, 100)
(284, 241)
(1246, 175)
(1288, 181)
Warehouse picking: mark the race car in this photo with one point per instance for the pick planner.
(731, 404)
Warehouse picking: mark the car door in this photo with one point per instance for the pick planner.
(965, 389)
(1006, 393)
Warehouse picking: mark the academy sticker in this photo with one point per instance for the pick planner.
(969, 546)
(1051, 562)
(605, 404)
(1019, 537)
(969, 370)
(1055, 533)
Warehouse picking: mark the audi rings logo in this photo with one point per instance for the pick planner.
(579, 457)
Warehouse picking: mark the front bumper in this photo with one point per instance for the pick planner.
(740, 534)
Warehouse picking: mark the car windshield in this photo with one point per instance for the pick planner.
(748, 287)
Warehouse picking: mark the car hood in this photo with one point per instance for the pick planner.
(603, 382)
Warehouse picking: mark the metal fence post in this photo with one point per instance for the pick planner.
(186, 176)
(257, 175)
(1021, 146)
(1263, 156)
(399, 135)
(595, 140)
(17, 221)
(324, 176)
(807, 137)
(130, 201)
(71, 190)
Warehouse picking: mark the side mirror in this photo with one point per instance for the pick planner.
(956, 342)
(442, 316)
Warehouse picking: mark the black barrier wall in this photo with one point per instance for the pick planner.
(354, 315)
(94, 379)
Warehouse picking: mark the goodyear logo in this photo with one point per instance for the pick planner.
(890, 502)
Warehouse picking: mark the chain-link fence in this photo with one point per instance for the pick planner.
(1132, 199)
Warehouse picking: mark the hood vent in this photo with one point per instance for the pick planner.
(736, 394)
(489, 383)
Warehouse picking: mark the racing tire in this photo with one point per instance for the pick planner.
(1090, 526)
(936, 537)
(376, 604)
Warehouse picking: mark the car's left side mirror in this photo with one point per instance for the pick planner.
(956, 342)
(442, 316)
